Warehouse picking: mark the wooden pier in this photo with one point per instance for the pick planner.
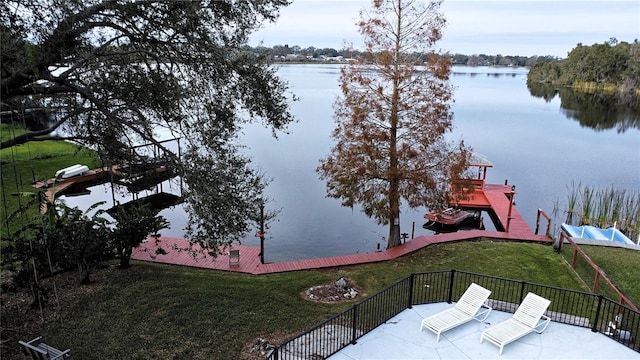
(493, 198)
(57, 187)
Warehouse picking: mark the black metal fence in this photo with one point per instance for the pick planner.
(583, 309)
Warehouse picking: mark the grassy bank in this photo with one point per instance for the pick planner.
(160, 311)
(21, 165)
(620, 265)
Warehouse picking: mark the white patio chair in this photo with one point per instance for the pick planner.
(41, 351)
(466, 309)
(528, 317)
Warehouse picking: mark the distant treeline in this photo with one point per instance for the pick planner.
(286, 53)
(610, 67)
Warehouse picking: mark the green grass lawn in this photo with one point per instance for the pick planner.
(163, 311)
(21, 165)
(160, 311)
(620, 265)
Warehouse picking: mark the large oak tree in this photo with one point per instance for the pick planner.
(112, 74)
(392, 118)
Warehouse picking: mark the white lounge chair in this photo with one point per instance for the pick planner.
(466, 309)
(528, 317)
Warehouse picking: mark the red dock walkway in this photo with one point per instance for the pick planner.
(489, 196)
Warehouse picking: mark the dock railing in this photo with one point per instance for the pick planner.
(583, 309)
(548, 218)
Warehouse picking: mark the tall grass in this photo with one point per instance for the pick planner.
(605, 201)
(604, 208)
(587, 206)
(572, 201)
(591, 87)
(632, 221)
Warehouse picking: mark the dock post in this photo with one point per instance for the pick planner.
(513, 194)
(261, 232)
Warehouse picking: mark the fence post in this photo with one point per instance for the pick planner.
(523, 283)
(595, 321)
(561, 241)
(354, 326)
(450, 295)
(410, 300)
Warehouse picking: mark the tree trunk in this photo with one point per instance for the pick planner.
(394, 178)
(394, 198)
(394, 233)
(125, 258)
(85, 273)
(394, 193)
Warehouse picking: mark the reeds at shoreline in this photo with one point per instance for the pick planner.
(604, 208)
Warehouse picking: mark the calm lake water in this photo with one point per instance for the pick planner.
(532, 141)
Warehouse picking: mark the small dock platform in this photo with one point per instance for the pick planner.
(497, 200)
(56, 187)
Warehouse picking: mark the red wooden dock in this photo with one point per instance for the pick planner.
(488, 196)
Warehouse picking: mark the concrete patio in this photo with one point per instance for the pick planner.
(400, 338)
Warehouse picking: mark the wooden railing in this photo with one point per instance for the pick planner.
(599, 274)
(543, 214)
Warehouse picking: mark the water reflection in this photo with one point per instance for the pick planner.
(489, 71)
(596, 111)
(531, 143)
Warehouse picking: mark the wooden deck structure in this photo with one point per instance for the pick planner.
(56, 188)
(116, 172)
(495, 198)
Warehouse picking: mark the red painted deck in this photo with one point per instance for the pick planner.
(491, 196)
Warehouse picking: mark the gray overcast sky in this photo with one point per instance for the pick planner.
(507, 27)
